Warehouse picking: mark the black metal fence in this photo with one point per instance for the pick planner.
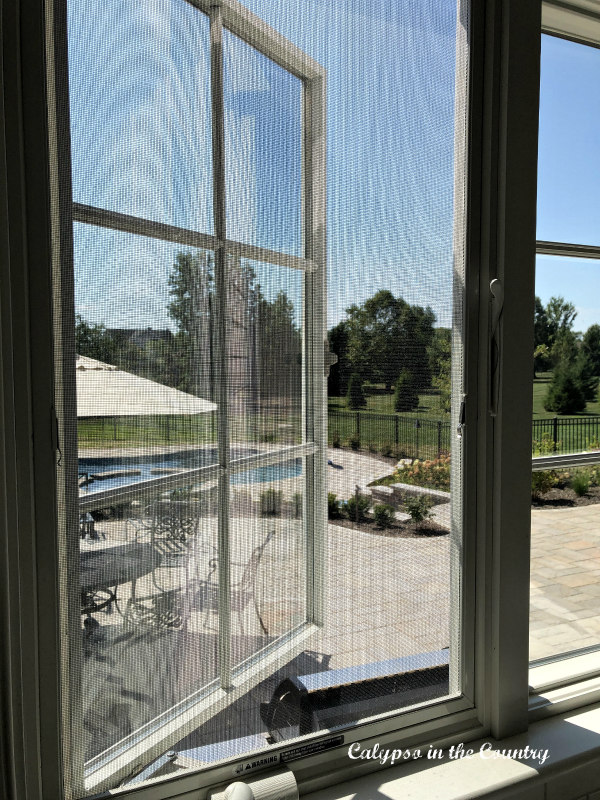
(566, 434)
(390, 434)
(414, 437)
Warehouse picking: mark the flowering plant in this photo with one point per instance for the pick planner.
(434, 473)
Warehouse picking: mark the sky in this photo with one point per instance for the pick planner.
(140, 126)
(569, 173)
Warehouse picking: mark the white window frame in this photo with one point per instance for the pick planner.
(572, 679)
(501, 183)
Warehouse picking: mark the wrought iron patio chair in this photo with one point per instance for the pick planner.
(243, 591)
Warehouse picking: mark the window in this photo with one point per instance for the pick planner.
(486, 192)
(563, 615)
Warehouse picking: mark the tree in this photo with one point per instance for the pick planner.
(440, 361)
(337, 385)
(94, 341)
(553, 327)
(405, 393)
(387, 335)
(191, 287)
(541, 337)
(565, 395)
(591, 347)
(355, 397)
(560, 314)
(279, 347)
(584, 374)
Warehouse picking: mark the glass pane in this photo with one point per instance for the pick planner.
(569, 159)
(139, 85)
(565, 516)
(263, 149)
(265, 311)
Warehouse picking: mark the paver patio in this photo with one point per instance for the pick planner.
(565, 580)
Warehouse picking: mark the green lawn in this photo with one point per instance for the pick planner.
(429, 406)
(540, 387)
(118, 431)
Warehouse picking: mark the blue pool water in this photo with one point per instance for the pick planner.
(147, 467)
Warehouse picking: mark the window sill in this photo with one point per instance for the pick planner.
(572, 768)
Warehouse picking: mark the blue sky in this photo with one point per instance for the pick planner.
(569, 173)
(141, 145)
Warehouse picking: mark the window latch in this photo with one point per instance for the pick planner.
(462, 417)
(280, 785)
(497, 303)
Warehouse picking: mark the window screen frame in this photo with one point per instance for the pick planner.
(151, 740)
(500, 239)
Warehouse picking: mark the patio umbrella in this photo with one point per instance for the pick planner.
(104, 390)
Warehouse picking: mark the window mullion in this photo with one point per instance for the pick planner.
(314, 410)
(221, 367)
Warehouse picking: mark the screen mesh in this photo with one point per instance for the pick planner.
(246, 577)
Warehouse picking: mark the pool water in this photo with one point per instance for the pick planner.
(149, 467)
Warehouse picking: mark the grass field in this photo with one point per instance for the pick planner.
(117, 431)
(423, 433)
(429, 406)
(540, 387)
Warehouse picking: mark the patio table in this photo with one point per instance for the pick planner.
(105, 568)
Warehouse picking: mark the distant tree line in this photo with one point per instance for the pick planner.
(264, 340)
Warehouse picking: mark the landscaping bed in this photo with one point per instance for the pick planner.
(398, 530)
(566, 498)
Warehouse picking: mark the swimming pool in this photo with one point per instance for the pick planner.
(144, 468)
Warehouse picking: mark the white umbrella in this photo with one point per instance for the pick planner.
(104, 390)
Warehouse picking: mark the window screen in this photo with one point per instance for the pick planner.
(268, 248)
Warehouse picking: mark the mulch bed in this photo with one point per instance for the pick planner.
(397, 530)
(566, 498)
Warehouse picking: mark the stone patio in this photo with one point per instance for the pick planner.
(565, 580)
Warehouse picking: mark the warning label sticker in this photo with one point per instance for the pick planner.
(311, 748)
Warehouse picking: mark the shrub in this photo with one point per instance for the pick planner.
(386, 449)
(405, 392)
(270, 503)
(580, 482)
(334, 509)
(565, 395)
(355, 397)
(594, 474)
(433, 474)
(585, 377)
(418, 507)
(181, 493)
(354, 442)
(336, 440)
(542, 482)
(384, 514)
(544, 446)
(357, 506)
